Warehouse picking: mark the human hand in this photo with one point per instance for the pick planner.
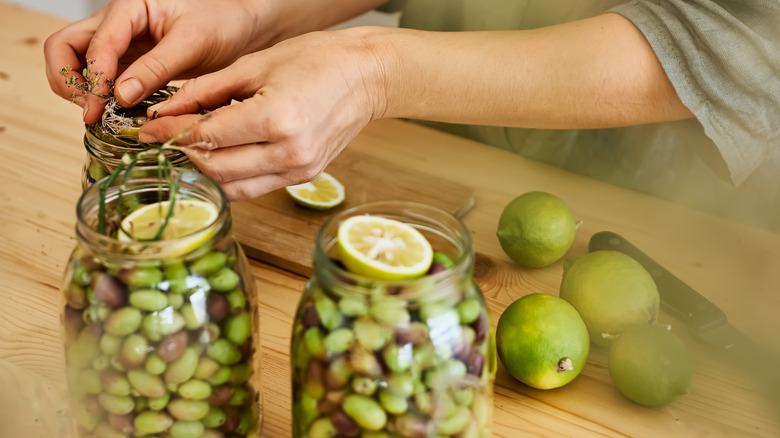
(147, 43)
(299, 104)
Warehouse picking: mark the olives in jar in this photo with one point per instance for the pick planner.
(412, 358)
(160, 337)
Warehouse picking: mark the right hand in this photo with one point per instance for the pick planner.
(144, 44)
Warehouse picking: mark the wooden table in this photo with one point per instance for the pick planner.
(734, 265)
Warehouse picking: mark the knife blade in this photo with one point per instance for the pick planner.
(706, 321)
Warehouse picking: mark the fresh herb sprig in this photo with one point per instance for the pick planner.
(114, 120)
(91, 83)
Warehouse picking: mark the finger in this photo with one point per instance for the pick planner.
(209, 92)
(121, 22)
(237, 124)
(171, 56)
(65, 49)
(164, 129)
(250, 188)
(214, 163)
(247, 161)
(62, 50)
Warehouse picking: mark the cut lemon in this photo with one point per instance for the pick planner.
(321, 194)
(384, 249)
(187, 229)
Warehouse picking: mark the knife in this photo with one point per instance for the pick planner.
(707, 323)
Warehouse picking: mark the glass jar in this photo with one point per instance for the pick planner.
(105, 145)
(412, 358)
(104, 153)
(160, 337)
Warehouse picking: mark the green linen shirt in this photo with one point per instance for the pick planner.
(722, 57)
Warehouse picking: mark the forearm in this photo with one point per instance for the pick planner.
(593, 73)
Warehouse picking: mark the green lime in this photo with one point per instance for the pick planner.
(611, 291)
(542, 341)
(382, 248)
(536, 229)
(650, 365)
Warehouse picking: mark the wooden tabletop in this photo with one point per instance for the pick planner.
(733, 265)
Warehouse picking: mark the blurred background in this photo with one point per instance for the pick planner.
(71, 9)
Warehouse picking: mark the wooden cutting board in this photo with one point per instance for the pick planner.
(273, 229)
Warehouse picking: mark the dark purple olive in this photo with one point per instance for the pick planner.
(232, 418)
(414, 333)
(475, 363)
(436, 268)
(217, 307)
(172, 346)
(108, 290)
(311, 318)
(481, 327)
(220, 395)
(344, 425)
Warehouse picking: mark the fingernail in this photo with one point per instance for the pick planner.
(156, 108)
(130, 90)
(86, 108)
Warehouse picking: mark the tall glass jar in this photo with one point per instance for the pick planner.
(106, 142)
(160, 337)
(412, 358)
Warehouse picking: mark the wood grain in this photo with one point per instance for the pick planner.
(273, 229)
(733, 264)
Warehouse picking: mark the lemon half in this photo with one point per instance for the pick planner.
(187, 229)
(382, 248)
(321, 194)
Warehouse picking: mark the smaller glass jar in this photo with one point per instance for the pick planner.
(160, 337)
(105, 146)
(411, 359)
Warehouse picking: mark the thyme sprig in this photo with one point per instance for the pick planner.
(91, 83)
(116, 121)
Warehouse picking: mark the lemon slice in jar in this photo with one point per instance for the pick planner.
(382, 248)
(187, 228)
(321, 194)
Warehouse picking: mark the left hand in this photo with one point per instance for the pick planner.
(299, 104)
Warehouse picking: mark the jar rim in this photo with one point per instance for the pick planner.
(113, 152)
(462, 264)
(143, 179)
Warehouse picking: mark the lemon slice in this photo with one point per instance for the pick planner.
(321, 194)
(187, 229)
(384, 249)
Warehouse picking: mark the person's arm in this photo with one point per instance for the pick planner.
(304, 99)
(144, 44)
(594, 73)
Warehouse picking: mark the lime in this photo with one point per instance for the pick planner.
(650, 365)
(188, 226)
(321, 194)
(382, 248)
(611, 291)
(536, 229)
(542, 341)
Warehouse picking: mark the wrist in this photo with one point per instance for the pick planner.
(379, 65)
